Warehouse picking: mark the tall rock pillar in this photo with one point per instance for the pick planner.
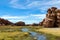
(51, 18)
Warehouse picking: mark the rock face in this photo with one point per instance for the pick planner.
(5, 22)
(41, 23)
(52, 18)
(20, 23)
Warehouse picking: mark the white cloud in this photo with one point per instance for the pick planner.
(35, 4)
(32, 18)
(40, 16)
(15, 20)
(42, 5)
(53, 2)
(31, 21)
(15, 4)
(18, 6)
(35, 18)
(13, 17)
(13, 1)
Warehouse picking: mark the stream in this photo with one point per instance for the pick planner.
(34, 34)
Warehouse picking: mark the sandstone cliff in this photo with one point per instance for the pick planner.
(52, 18)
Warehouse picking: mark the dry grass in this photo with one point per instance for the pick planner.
(53, 31)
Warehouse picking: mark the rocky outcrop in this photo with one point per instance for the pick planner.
(5, 22)
(58, 18)
(52, 18)
(20, 23)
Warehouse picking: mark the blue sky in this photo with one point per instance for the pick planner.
(28, 11)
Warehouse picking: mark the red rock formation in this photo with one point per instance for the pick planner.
(41, 23)
(52, 18)
(5, 22)
(20, 23)
(58, 17)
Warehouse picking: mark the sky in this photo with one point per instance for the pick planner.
(28, 11)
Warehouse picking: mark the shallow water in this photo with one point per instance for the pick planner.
(34, 34)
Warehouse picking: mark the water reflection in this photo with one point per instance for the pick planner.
(34, 34)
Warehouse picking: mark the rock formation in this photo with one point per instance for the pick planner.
(20, 23)
(52, 18)
(41, 23)
(5, 22)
